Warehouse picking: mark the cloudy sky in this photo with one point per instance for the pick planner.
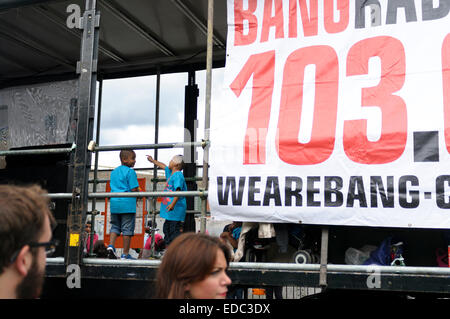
(128, 114)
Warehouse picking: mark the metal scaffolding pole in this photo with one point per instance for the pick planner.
(155, 155)
(105, 148)
(209, 54)
(94, 186)
(132, 194)
(87, 69)
(149, 194)
(324, 257)
(43, 151)
(280, 267)
(147, 146)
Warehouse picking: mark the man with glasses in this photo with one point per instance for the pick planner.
(25, 240)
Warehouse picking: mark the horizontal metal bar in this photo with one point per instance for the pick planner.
(98, 181)
(60, 196)
(133, 194)
(274, 266)
(120, 262)
(104, 148)
(188, 211)
(195, 212)
(148, 146)
(187, 179)
(37, 152)
(55, 261)
(139, 168)
(149, 194)
(400, 270)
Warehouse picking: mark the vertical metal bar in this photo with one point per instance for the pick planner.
(323, 257)
(94, 185)
(155, 168)
(209, 54)
(190, 152)
(190, 117)
(158, 91)
(86, 104)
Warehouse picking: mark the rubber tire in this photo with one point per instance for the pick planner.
(302, 257)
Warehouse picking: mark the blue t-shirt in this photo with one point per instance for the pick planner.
(174, 181)
(123, 179)
(236, 233)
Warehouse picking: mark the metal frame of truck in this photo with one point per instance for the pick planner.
(407, 280)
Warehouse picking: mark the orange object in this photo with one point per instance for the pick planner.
(259, 291)
(137, 241)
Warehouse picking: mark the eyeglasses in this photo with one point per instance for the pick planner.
(50, 248)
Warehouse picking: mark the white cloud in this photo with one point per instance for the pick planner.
(128, 114)
(136, 135)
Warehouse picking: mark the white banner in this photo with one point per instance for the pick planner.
(334, 112)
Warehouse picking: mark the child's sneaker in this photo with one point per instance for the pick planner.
(160, 254)
(111, 252)
(128, 256)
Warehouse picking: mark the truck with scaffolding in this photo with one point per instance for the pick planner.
(55, 55)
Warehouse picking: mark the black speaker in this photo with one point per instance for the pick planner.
(53, 172)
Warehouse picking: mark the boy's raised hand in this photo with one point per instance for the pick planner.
(149, 158)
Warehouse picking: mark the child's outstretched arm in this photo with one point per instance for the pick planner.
(157, 163)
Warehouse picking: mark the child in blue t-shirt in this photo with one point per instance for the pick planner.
(173, 209)
(123, 209)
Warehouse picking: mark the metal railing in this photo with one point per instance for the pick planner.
(43, 151)
(277, 269)
(202, 144)
(296, 280)
(85, 146)
(200, 193)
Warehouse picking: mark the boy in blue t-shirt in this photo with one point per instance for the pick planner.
(173, 209)
(123, 209)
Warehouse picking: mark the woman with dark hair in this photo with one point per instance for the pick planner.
(194, 266)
